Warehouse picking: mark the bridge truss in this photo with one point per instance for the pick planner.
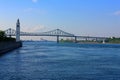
(57, 32)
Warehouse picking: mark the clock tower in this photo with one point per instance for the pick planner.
(18, 31)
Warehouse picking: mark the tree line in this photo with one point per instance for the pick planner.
(3, 37)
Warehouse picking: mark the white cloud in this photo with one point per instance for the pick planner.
(117, 13)
(34, 1)
(33, 29)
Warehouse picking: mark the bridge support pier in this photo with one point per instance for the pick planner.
(86, 39)
(57, 39)
(10, 32)
(75, 39)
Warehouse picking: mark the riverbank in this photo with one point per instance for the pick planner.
(9, 46)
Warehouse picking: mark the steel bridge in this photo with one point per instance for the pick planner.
(57, 32)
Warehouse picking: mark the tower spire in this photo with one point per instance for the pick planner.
(18, 20)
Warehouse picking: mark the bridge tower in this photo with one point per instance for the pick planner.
(18, 31)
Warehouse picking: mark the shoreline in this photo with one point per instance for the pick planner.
(90, 43)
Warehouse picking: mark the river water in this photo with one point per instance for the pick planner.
(64, 61)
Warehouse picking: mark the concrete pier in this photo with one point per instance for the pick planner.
(9, 46)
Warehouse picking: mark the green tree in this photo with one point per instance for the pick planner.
(4, 38)
(2, 34)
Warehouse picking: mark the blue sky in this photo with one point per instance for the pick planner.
(80, 17)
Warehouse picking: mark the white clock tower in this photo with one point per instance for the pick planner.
(18, 31)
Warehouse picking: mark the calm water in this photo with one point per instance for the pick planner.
(51, 61)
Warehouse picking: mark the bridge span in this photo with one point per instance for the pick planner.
(57, 33)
